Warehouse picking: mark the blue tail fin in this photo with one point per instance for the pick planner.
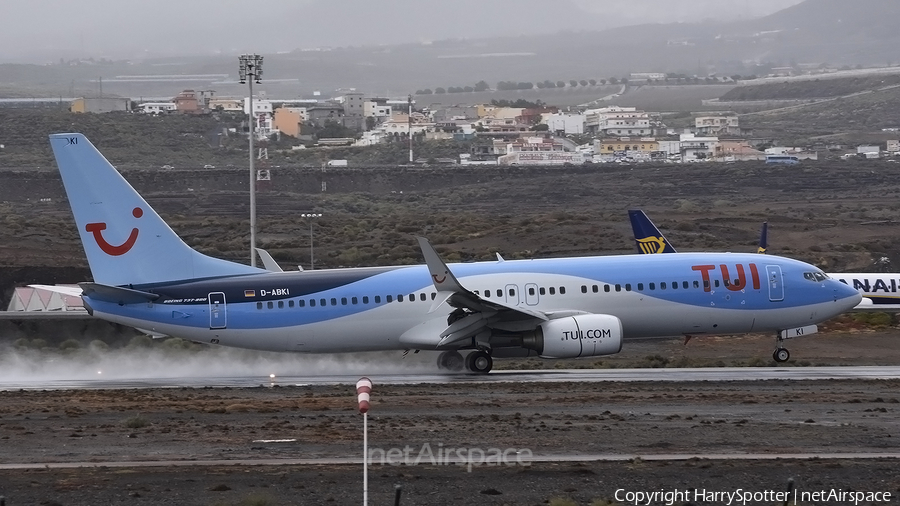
(125, 241)
(647, 237)
(764, 238)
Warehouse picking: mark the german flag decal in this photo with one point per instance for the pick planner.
(249, 293)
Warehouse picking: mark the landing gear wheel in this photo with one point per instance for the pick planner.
(450, 360)
(781, 355)
(479, 362)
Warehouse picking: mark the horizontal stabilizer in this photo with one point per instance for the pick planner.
(116, 294)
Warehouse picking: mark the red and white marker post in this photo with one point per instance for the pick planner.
(363, 389)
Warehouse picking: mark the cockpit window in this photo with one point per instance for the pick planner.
(815, 276)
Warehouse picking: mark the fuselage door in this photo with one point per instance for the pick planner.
(217, 310)
(776, 283)
(531, 294)
(512, 295)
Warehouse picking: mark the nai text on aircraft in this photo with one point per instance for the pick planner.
(146, 277)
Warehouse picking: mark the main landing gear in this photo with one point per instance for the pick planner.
(479, 362)
(781, 354)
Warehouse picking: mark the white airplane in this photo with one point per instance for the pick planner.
(879, 290)
(146, 277)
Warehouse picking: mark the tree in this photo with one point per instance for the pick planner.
(370, 122)
(468, 89)
(549, 84)
(560, 84)
(481, 86)
(427, 91)
(525, 86)
(584, 82)
(573, 83)
(541, 86)
(592, 82)
(541, 127)
(603, 81)
(613, 80)
(439, 91)
(736, 77)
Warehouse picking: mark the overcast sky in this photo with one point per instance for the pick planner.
(40, 31)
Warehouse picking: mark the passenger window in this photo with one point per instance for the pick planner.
(365, 299)
(343, 301)
(378, 299)
(312, 302)
(290, 303)
(333, 301)
(627, 287)
(606, 288)
(280, 304)
(562, 290)
(433, 295)
(583, 289)
(705, 283)
(552, 291)
(323, 302)
(512, 292)
(301, 303)
(388, 298)
(270, 305)
(595, 288)
(653, 286)
(412, 297)
(674, 285)
(618, 287)
(696, 284)
(542, 291)
(662, 286)
(400, 298)
(259, 305)
(640, 287)
(685, 285)
(354, 300)
(531, 290)
(487, 294)
(499, 293)
(422, 297)
(717, 283)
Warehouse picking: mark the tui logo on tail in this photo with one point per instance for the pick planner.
(98, 228)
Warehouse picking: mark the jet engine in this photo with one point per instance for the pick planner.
(588, 335)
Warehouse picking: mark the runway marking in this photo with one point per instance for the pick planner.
(563, 458)
(535, 376)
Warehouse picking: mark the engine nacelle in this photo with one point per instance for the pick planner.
(589, 335)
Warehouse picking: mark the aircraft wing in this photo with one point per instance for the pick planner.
(867, 306)
(474, 316)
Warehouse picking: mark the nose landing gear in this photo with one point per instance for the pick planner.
(781, 354)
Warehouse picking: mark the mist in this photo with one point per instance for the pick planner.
(176, 362)
(44, 31)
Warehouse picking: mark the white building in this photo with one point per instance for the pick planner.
(893, 146)
(542, 151)
(695, 148)
(376, 110)
(618, 122)
(717, 125)
(565, 123)
(157, 107)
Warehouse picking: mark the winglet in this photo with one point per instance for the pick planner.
(268, 262)
(444, 280)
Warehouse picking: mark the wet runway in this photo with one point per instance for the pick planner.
(536, 376)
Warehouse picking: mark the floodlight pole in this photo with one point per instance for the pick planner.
(250, 70)
(409, 127)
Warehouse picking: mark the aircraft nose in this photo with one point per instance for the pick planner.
(846, 294)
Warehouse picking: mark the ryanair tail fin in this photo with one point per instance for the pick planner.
(647, 237)
(125, 240)
(764, 238)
